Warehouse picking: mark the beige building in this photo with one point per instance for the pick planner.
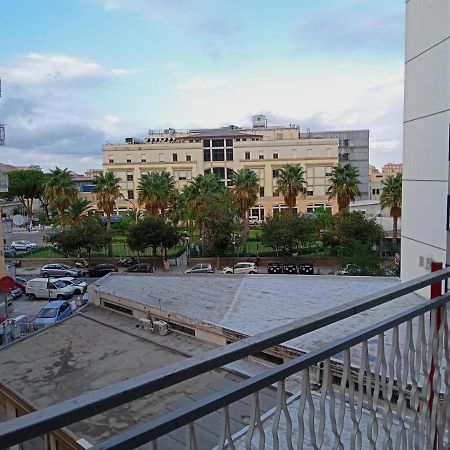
(223, 151)
(376, 178)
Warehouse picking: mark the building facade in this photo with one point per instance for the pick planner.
(425, 231)
(353, 149)
(223, 151)
(377, 178)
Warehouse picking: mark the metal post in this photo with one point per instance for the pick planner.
(234, 243)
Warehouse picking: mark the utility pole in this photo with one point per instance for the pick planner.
(3, 188)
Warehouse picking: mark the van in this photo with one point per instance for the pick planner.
(47, 289)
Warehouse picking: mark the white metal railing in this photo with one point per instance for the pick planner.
(384, 386)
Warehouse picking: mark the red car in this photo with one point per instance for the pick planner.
(21, 283)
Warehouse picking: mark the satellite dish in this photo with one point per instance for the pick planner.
(18, 220)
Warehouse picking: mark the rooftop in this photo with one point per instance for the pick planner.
(254, 303)
(98, 348)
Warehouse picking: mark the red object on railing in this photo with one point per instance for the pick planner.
(436, 291)
(7, 284)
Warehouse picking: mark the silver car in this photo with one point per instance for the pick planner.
(23, 245)
(60, 270)
(201, 268)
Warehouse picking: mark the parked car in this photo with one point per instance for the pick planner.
(60, 270)
(201, 268)
(102, 269)
(306, 269)
(21, 283)
(79, 287)
(274, 268)
(254, 220)
(241, 267)
(53, 312)
(23, 245)
(9, 252)
(141, 268)
(47, 289)
(16, 292)
(290, 268)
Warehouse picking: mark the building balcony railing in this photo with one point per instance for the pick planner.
(384, 386)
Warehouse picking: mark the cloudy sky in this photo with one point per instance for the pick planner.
(78, 73)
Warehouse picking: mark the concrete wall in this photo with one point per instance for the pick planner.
(426, 136)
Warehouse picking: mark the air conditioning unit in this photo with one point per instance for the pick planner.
(160, 327)
(145, 324)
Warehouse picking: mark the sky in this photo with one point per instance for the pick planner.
(79, 73)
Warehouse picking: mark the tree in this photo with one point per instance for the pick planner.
(286, 231)
(344, 185)
(219, 218)
(353, 226)
(196, 194)
(245, 194)
(107, 191)
(152, 232)
(156, 191)
(391, 198)
(78, 211)
(323, 218)
(26, 185)
(60, 189)
(88, 236)
(290, 182)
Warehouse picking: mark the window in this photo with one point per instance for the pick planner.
(275, 156)
(373, 191)
(275, 173)
(257, 211)
(261, 156)
(247, 155)
(143, 160)
(206, 143)
(261, 191)
(128, 160)
(130, 195)
(129, 177)
(218, 154)
(188, 158)
(217, 143)
(220, 172)
(309, 192)
(111, 160)
(206, 154)
(174, 157)
(229, 154)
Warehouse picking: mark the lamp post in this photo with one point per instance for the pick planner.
(201, 247)
(134, 207)
(234, 243)
(186, 238)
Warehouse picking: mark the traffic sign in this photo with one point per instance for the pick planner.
(7, 284)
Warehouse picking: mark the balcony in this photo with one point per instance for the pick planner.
(385, 385)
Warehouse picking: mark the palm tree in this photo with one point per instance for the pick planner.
(60, 189)
(156, 191)
(77, 211)
(107, 191)
(245, 194)
(391, 198)
(290, 182)
(344, 185)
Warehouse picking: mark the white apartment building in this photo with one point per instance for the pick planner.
(425, 227)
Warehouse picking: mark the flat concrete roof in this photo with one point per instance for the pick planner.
(250, 304)
(98, 348)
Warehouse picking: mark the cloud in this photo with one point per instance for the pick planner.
(355, 30)
(199, 83)
(47, 122)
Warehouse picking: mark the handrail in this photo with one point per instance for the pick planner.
(92, 403)
(151, 430)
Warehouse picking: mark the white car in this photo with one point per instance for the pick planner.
(253, 220)
(79, 287)
(23, 245)
(241, 267)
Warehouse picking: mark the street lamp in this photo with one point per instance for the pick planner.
(201, 247)
(234, 243)
(134, 207)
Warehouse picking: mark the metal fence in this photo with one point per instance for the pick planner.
(383, 386)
